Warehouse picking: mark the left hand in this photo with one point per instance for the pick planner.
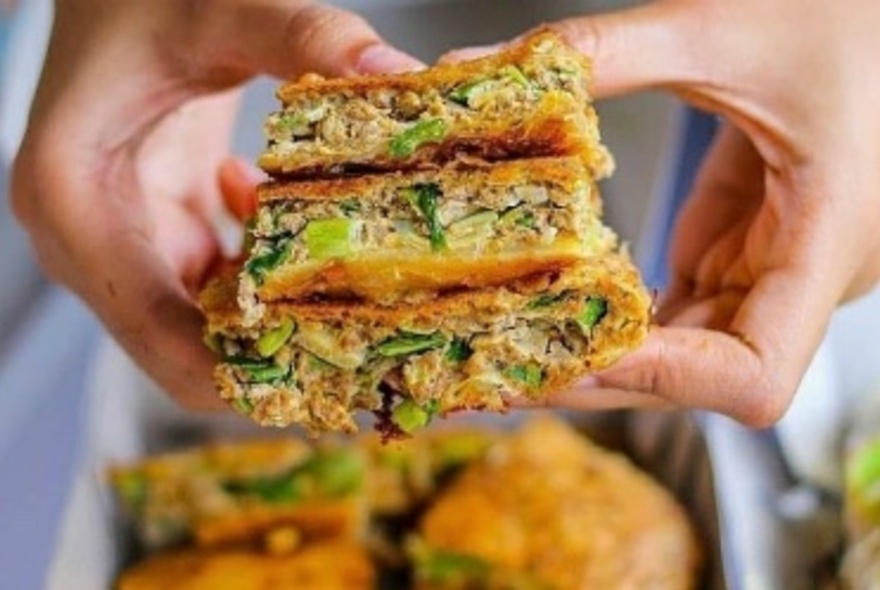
(116, 180)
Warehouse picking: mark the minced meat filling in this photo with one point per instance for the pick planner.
(443, 366)
(400, 121)
(421, 218)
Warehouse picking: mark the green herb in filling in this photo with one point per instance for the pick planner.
(330, 238)
(424, 198)
(281, 489)
(243, 405)
(350, 206)
(406, 142)
(335, 472)
(409, 343)
(446, 567)
(516, 75)
(214, 342)
(259, 371)
(259, 266)
(863, 471)
(466, 92)
(519, 216)
(293, 124)
(459, 350)
(544, 300)
(327, 473)
(529, 374)
(410, 416)
(595, 308)
(477, 223)
(527, 220)
(132, 487)
(272, 341)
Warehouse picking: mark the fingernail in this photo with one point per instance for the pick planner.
(246, 170)
(383, 59)
(469, 53)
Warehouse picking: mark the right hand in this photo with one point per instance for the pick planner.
(783, 224)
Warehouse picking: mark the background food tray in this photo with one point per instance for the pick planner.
(128, 419)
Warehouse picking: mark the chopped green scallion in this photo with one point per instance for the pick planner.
(243, 405)
(595, 308)
(459, 350)
(423, 197)
(410, 416)
(444, 567)
(272, 341)
(409, 343)
(259, 266)
(463, 94)
(544, 300)
(330, 238)
(405, 143)
(529, 374)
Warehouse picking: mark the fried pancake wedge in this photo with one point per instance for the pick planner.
(529, 100)
(393, 237)
(238, 493)
(316, 364)
(546, 508)
(333, 565)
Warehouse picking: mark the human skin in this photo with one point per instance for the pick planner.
(781, 228)
(116, 180)
(783, 224)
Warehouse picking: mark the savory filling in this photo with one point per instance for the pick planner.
(468, 361)
(392, 123)
(420, 219)
(173, 501)
(439, 569)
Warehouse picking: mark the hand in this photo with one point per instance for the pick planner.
(782, 225)
(116, 179)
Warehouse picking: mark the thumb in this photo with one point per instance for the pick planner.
(287, 39)
(635, 49)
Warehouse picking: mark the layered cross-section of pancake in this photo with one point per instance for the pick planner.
(315, 364)
(527, 101)
(398, 236)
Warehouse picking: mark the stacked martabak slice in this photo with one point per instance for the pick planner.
(430, 242)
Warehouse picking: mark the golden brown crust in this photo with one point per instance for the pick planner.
(322, 566)
(381, 278)
(565, 172)
(591, 520)
(442, 75)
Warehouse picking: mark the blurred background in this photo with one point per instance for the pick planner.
(51, 348)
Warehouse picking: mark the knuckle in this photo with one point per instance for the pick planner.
(583, 33)
(765, 402)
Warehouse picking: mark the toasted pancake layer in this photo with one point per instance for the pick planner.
(527, 101)
(401, 236)
(315, 364)
(549, 509)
